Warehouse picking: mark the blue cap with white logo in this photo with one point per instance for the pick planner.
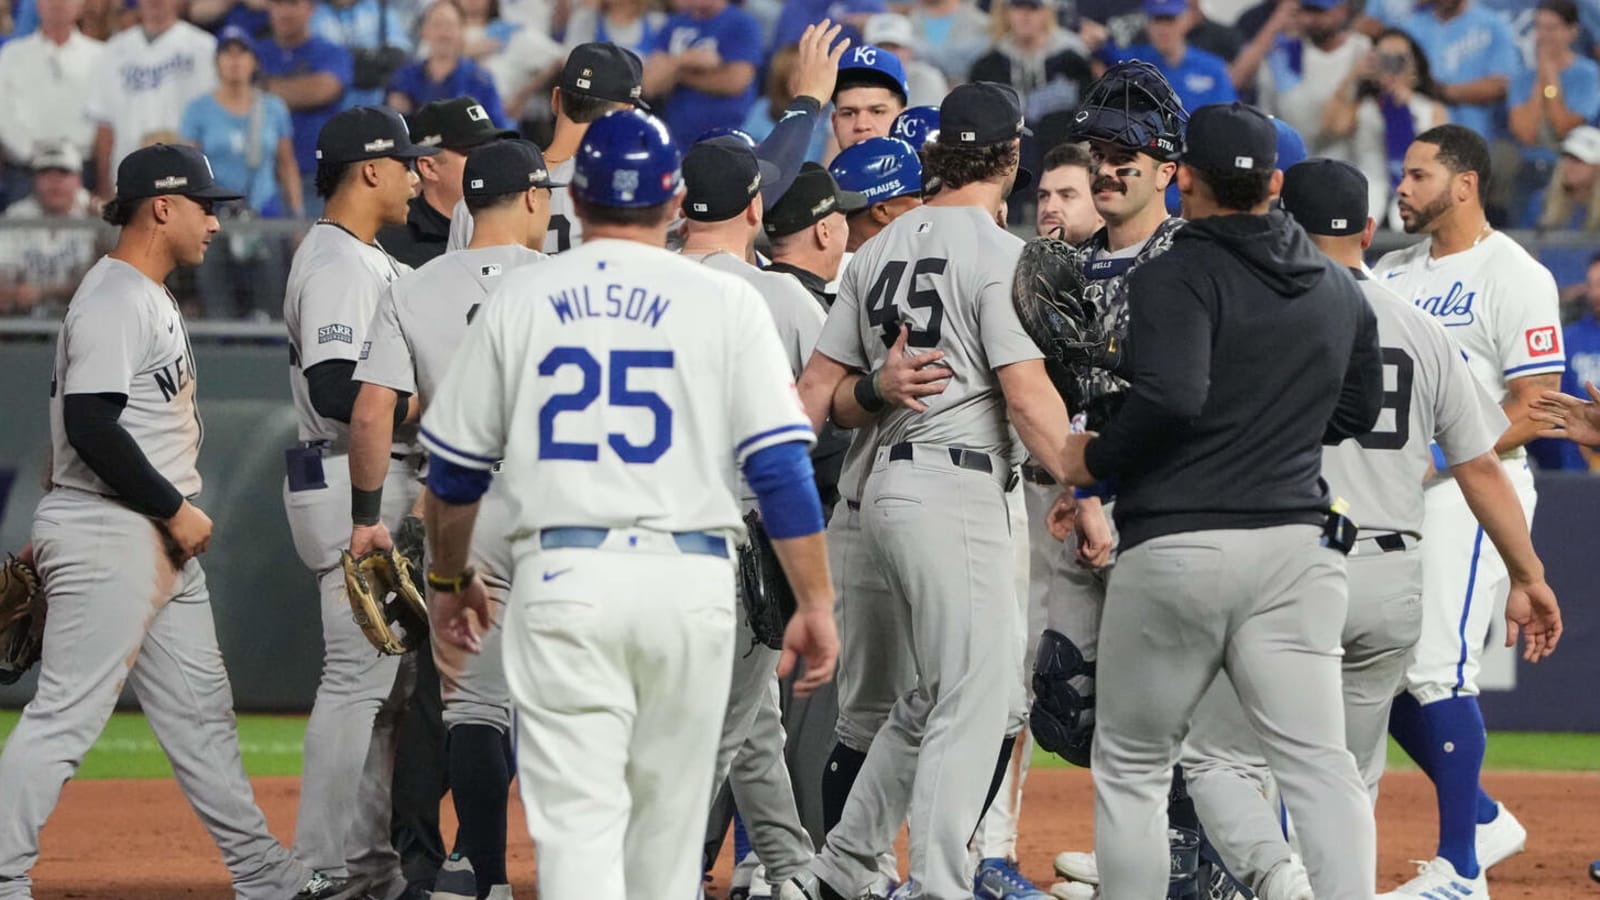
(870, 66)
(879, 169)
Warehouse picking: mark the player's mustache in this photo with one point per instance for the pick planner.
(1107, 183)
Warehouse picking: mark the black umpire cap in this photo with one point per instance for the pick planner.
(1326, 196)
(604, 71)
(459, 123)
(720, 177)
(1230, 137)
(367, 132)
(812, 197)
(168, 169)
(504, 167)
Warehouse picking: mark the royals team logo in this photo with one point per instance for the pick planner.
(1452, 308)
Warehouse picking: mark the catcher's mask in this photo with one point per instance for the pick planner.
(1132, 106)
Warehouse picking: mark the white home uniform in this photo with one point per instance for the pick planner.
(565, 231)
(1501, 306)
(412, 338)
(751, 753)
(623, 386)
(1429, 395)
(144, 85)
(119, 610)
(334, 287)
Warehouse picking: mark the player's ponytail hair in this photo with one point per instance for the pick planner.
(119, 212)
(957, 166)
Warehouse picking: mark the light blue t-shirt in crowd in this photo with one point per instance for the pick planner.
(1580, 91)
(224, 137)
(1475, 44)
(736, 37)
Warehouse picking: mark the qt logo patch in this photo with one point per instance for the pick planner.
(1543, 341)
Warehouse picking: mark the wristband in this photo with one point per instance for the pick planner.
(867, 395)
(366, 507)
(454, 584)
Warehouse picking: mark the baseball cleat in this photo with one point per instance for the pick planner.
(760, 888)
(1500, 838)
(1073, 890)
(1075, 866)
(1437, 880)
(455, 881)
(1594, 870)
(1287, 881)
(324, 887)
(743, 881)
(998, 879)
(803, 886)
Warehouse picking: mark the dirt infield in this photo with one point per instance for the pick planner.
(138, 840)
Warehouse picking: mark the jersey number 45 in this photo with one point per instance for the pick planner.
(886, 308)
(618, 394)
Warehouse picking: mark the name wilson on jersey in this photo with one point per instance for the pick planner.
(634, 304)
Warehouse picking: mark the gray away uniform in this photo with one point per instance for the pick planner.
(566, 229)
(342, 827)
(1380, 475)
(413, 335)
(934, 520)
(119, 610)
(750, 755)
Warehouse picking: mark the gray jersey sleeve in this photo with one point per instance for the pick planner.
(332, 317)
(106, 342)
(386, 355)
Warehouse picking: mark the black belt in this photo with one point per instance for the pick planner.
(1037, 475)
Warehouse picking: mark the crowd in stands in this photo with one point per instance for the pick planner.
(83, 82)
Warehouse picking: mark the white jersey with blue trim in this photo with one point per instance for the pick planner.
(624, 386)
(1498, 302)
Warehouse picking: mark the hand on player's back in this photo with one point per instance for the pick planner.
(905, 379)
(188, 533)
(1532, 608)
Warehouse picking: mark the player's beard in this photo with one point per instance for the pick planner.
(1421, 218)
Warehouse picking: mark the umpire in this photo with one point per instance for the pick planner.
(1247, 350)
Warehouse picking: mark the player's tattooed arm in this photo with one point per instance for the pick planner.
(1531, 605)
(1522, 397)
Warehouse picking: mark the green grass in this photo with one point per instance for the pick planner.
(272, 745)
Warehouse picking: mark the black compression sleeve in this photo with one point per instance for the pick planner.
(333, 390)
(90, 421)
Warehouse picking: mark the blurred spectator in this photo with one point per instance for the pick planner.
(797, 14)
(455, 126)
(101, 19)
(1035, 55)
(925, 85)
(1106, 24)
(216, 15)
(1302, 73)
(1546, 101)
(524, 75)
(1197, 77)
(704, 62)
(310, 74)
(626, 23)
(1222, 41)
(446, 72)
(951, 34)
(483, 32)
(769, 109)
(44, 89)
(378, 36)
(40, 266)
(148, 76)
(869, 94)
(1572, 199)
(1383, 104)
(1471, 55)
(245, 132)
(1065, 202)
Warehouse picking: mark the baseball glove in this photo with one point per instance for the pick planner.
(22, 610)
(383, 596)
(1048, 293)
(408, 539)
(768, 599)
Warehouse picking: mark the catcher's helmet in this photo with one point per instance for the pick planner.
(880, 168)
(627, 159)
(917, 126)
(1133, 106)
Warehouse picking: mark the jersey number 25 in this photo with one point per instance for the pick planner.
(617, 394)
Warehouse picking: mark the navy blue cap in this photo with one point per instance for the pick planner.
(233, 34)
(504, 167)
(812, 197)
(604, 71)
(169, 169)
(1326, 196)
(367, 132)
(979, 113)
(458, 123)
(1164, 8)
(1230, 137)
(720, 178)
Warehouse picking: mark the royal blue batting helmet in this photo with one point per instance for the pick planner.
(879, 168)
(727, 131)
(917, 126)
(627, 159)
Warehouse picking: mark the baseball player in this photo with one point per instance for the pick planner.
(1501, 307)
(869, 95)
(619, 633)
(807, 230)
(722, 211)
(888, 173)
(339, 273)
(932, 514)
(117, 540)
(1381, 474)
(413, 336)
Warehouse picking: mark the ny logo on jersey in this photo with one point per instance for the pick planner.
(173, 377)
(1452, 308)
